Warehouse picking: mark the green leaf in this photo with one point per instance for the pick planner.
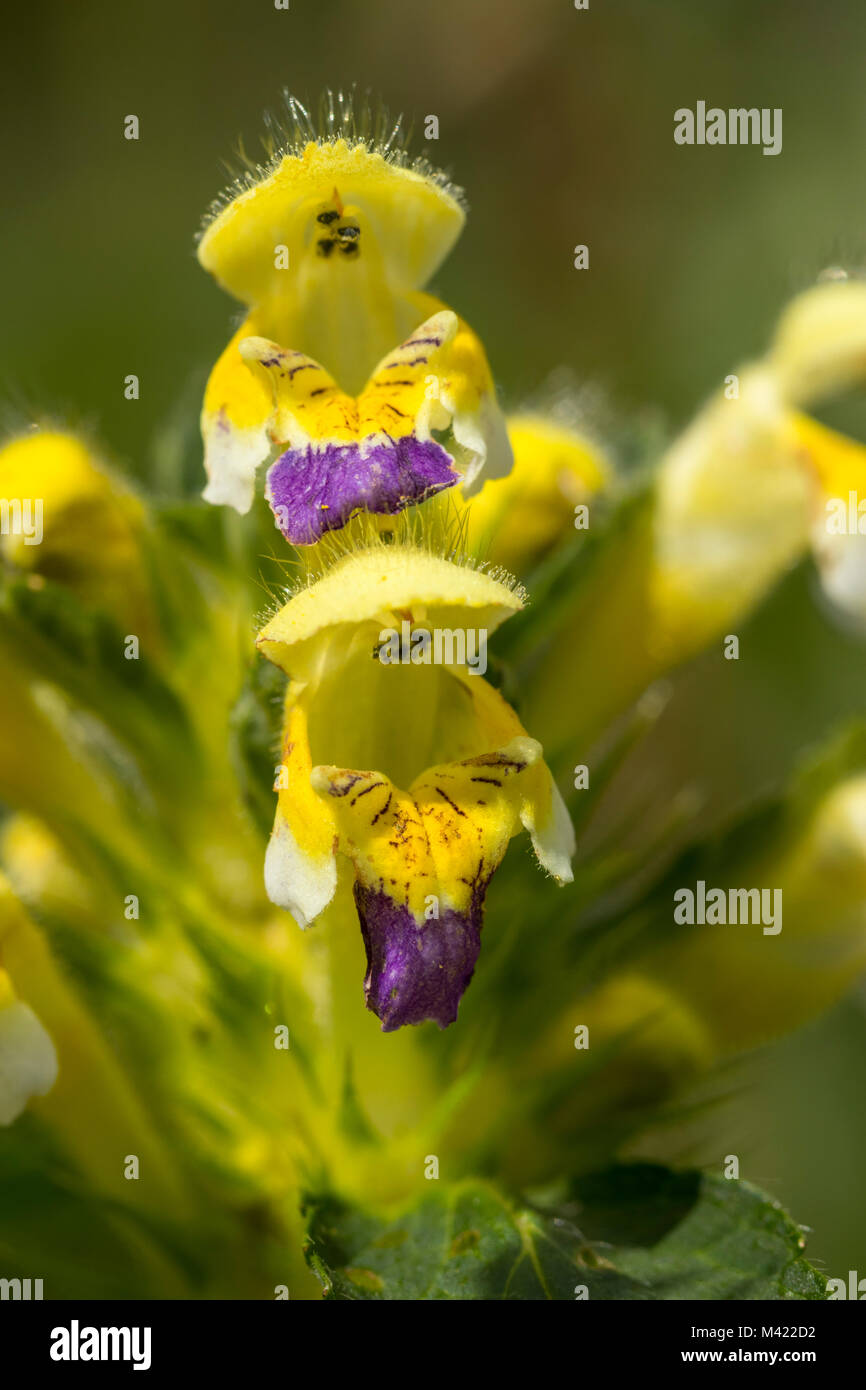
(638, 1231)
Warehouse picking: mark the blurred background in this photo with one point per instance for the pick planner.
(559, 123)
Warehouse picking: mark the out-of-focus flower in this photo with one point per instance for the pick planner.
(42, 872)
(781, 980)
(838, 543)
(748, 489)
(514, 521)
(67, 519)
(456, 775)
(28, 1061)
(742, 493)
(329, 244)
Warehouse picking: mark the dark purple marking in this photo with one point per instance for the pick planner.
(416, 972)
(313, 490)
(347, 781)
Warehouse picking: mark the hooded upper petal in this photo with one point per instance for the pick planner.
(405, 215)
(329, 245)
(379, 587)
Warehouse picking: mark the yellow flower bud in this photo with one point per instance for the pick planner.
(514, 521)
(63, 517)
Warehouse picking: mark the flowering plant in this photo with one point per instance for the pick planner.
(425, 1094)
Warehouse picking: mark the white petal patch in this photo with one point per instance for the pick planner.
(483, 438)
(28, 1061)
(841, 563)
(231, 458)
(552, 836)
(299, 882)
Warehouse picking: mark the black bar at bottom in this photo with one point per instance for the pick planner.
(246, 1338)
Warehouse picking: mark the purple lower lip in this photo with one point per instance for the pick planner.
(416, 971)
(313, 490)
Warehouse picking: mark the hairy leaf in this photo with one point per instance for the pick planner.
(638, 1231)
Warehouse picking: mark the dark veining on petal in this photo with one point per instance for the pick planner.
(417, 972)
(314, 490)
(371, 787)
(453, 804)
(384, 809)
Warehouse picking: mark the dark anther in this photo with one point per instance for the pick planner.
(349, 248)
(325, 246)
(349, 233)
(327, 217)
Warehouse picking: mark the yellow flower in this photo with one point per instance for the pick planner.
(329, 245)
(819, 950)
(514, 521)
(838, 524)
(417, 777)
(65, 518)
(746, 491)
(742, 493)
